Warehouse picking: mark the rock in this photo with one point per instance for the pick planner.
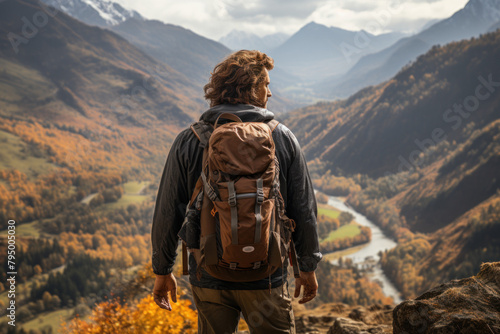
(374, 315)
(349, 326)
(334, 318)
(358, 314)
(470, 305)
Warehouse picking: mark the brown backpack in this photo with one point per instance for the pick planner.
(244, 232)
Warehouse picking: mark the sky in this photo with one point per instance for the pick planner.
(214, 19)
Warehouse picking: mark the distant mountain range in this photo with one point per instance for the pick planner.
(95, 12)
(238, 40)
(188, 53)
(317, 51)
(316, 62)
(475, 18)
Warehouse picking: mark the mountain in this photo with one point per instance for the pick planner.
(86, 86)
(474, 19)
(424, 147)
(317, 51)
(85, 68)
(429, 24)
(179, 48)
(102, 13)
(239, 40)
(191, 54)
(188, 53)
(381, 123)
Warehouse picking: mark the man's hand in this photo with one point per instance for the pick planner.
(164, 284)
(310, 284)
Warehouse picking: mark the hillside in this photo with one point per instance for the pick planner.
(87, 69)
(382, 123)
(191, 54)
(71, 94)
(424, 147)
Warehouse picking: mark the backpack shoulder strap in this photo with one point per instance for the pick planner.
(203, 130)
(273, 124)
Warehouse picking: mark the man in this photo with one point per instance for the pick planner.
(238, 85)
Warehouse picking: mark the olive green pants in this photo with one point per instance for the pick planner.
(264, 312)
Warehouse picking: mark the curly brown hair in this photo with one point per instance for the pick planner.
(235, 79)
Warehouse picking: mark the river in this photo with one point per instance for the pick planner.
(379, 242)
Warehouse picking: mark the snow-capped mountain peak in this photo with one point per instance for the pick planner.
(95, 12)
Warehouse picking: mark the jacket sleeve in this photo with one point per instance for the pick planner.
(301, 207)
(171, 202)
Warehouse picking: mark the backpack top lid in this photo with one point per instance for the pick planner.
(242, 148)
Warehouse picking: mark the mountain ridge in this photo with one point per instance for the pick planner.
(475, 18)
(187, 52)
(316, 51)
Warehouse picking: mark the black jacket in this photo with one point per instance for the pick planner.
(182, 169)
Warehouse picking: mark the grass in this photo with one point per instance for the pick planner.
(327, 210)
(26, 230)
(15, 154)
(124, 201)
(130, 196)
(54, 319)
(346, 231)
(134, 187)
(30, 230)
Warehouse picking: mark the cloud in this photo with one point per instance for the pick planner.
(214, 19)
(298, 9)
(383, 16)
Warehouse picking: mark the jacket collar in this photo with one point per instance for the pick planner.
(246, 112)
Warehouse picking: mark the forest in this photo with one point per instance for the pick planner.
(83, 233)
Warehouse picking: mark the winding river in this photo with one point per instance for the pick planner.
(369, 251)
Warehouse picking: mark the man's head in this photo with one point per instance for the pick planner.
(241, 78)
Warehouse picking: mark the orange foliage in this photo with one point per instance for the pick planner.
(111, 317)
(127, 250)
(346, 285)
(335, 185)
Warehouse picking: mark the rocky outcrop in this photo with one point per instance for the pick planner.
(470, 305)
(344, 319)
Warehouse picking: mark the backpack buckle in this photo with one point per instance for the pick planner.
(232, 199)
(214, 211)
(260, 195)
(233, 265)
(256, 265)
